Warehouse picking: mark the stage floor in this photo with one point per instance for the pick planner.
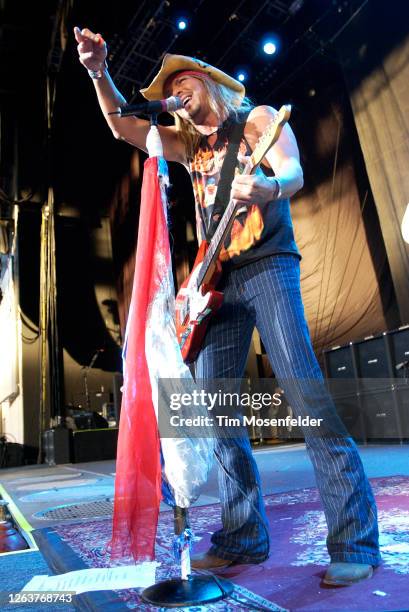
(47, 496)
(53, 496)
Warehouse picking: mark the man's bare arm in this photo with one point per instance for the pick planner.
(283, 157)
(92, 54)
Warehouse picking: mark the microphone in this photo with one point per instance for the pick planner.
(152, 107)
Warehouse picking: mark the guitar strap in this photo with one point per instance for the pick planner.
(227, 174)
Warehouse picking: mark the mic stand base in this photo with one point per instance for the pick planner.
(188, 590)
(195, 591)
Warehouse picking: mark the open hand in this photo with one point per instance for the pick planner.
(92, 49)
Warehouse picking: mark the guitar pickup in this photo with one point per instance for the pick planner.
(203, 315)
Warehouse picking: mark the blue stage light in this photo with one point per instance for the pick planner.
(269, 47)
(241, 76)
(182, 24)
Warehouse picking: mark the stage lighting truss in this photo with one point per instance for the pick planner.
(136, 58)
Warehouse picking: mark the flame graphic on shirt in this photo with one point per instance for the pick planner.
(244, 236)
(203, 161)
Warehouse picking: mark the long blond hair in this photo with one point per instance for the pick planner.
(222, 101)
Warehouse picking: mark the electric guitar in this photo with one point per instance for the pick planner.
(197, 298)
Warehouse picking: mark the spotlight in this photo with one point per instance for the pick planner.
(269, 47)
(182, 24)
(241, 76)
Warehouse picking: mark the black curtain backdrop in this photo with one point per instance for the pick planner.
(346, 281)
(124, 215)
(374, 51)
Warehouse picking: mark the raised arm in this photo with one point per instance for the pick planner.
(92, 52)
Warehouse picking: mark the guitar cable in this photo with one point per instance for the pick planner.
(256, 607)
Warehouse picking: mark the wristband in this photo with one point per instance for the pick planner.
(278, 192)
(97, 74)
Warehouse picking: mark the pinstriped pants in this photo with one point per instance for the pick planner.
(266, 294)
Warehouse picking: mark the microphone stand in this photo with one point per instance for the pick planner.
(187, 590)
(85, 376)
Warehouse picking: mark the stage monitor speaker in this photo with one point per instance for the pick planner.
(94, 444)
(349, 410)
(399, 344)
(85, 419)
(339, 362)
(381, 415)
(372, 358)
(56, 446)
(11, 454)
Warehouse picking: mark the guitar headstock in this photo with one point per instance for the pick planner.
(271, 135)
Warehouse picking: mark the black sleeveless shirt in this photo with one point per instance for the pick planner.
(258, 230)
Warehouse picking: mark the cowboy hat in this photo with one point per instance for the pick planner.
(176, 63)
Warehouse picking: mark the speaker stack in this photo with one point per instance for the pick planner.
(369, 380)
(66, 446)
(94, 444)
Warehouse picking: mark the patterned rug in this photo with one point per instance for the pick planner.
(291, 577)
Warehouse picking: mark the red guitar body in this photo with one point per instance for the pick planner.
(195, 306)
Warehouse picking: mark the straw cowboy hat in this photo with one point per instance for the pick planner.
(177, 63)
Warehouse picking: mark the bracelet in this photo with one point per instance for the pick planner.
(278, 192)
(97, 74)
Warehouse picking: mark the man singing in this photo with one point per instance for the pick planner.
(261, 287)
